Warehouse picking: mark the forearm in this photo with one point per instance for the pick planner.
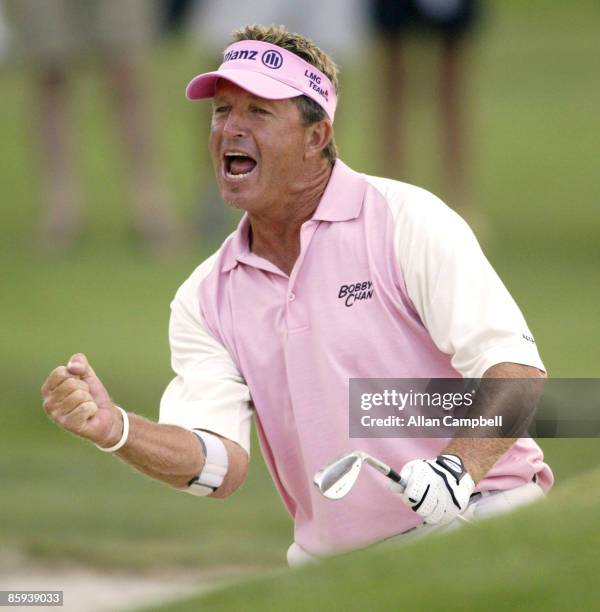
(174, 455)
(479, 453)
(75, 399)
(167, 453)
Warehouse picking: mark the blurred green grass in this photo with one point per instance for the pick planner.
(533, 164)
(525, 561)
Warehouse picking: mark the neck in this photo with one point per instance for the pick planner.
(275, 233)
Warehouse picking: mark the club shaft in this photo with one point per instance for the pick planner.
(385, 469)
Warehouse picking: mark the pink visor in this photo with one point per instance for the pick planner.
(267, 71)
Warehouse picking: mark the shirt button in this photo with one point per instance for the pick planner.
(291, 297)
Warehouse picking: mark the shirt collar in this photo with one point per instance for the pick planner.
(237, 246)
(343, 197)
(342, 200)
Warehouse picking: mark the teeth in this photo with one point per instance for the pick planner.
(237, 177)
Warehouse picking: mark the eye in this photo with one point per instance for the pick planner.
(222, 108)
(260, 111)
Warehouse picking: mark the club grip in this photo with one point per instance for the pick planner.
(393, 475)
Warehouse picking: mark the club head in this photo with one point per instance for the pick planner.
(337, 478)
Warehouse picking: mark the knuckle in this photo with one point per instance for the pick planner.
(69, 384)
(80, 396)
(54, 379)
(61, 419)
(80, 417)
(87, 408)
(70, 421)
(56, 415)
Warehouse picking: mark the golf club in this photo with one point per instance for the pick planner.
(337, 478)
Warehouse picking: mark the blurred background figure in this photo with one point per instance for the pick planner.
(5, 35)
(175, 15)
(450, 21)
(338, 26)
(55, 38)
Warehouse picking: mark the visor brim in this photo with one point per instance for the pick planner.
(258, 84)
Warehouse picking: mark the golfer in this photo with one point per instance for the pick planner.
(330, 275)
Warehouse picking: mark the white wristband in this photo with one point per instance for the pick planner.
(121, 443)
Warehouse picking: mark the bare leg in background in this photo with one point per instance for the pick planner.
(60, 218)
(153, 216)
(391, 116)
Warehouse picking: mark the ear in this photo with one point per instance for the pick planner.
(318, 136)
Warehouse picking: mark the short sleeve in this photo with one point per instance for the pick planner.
(208, 392)
(460, 299)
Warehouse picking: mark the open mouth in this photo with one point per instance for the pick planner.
(238, 165)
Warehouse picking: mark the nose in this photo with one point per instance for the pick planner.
(234, 126)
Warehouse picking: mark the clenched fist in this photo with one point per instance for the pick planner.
(75, 398)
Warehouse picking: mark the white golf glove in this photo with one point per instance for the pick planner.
(436, 489)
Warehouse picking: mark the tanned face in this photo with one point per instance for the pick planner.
(257, 148)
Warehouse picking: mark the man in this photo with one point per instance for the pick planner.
(262, 323)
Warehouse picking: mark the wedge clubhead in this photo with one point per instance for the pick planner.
(337, 478)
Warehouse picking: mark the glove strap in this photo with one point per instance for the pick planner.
(454, 465)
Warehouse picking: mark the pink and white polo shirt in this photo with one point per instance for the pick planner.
(247, 339)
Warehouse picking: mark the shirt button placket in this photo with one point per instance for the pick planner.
(295, 313)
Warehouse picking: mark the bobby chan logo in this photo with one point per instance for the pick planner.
(356, 292)
(272, 59)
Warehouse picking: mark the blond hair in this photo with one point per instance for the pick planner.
(303, 47)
